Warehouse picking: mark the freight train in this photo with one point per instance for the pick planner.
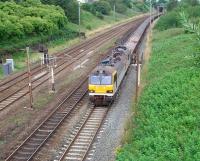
(105, 79)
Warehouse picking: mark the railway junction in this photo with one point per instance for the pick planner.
(70, 127)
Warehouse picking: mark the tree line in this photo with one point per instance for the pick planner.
(102, 7)
(41, 19)
(29, 18)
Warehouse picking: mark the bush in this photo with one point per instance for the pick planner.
(193, 12)
(70, 8)
(170, 20)
(87, 7)
(98, 8)
(121, 8)
(99, 15)
(102, 7)
(29, 18)
(128, 3)
(142, 7)
(88, 27)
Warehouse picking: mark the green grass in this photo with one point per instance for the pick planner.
(89, 19)
(166, 125)
(42, 100)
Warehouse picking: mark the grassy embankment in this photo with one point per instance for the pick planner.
(166, 121)
(89, 24)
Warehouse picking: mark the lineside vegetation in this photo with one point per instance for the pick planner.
(34, 21)
(166, 126)
(50, 22)
(166, 121)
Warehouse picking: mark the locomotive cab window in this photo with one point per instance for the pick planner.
(106, 80)
(100, 80)
(95, 80)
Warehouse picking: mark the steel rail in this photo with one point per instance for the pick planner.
(93, 133)
(49, 119)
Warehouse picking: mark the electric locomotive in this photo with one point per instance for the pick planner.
(105, 79)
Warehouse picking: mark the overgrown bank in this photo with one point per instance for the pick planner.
(166, 124)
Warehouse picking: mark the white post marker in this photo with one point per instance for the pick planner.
(29, 77)
(52, 79)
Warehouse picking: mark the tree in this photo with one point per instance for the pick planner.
(102, 7)
(29, 18)
(172, 4)
(191, 2)
(121, 8)
(69, 6)
(162, 1)
(128, 3)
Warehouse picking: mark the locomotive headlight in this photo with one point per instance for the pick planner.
(91, 91)
(109, 91)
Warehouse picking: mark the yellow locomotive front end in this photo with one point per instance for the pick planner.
(101, 87)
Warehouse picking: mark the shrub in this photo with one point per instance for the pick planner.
(128, 3)
(70, 8)
(99, 8)
(88, 27)
(29, 18)
(99, 15)
(87, 7)
(170, 20)
(193, 11)
(102, 7)
(121, 8)
(140, 6)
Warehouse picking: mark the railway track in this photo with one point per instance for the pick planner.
(84, 135)
(16, 88)
(86, 131)
(37, 139)
(30, 147)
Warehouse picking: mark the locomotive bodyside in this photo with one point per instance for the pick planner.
(105, 79)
